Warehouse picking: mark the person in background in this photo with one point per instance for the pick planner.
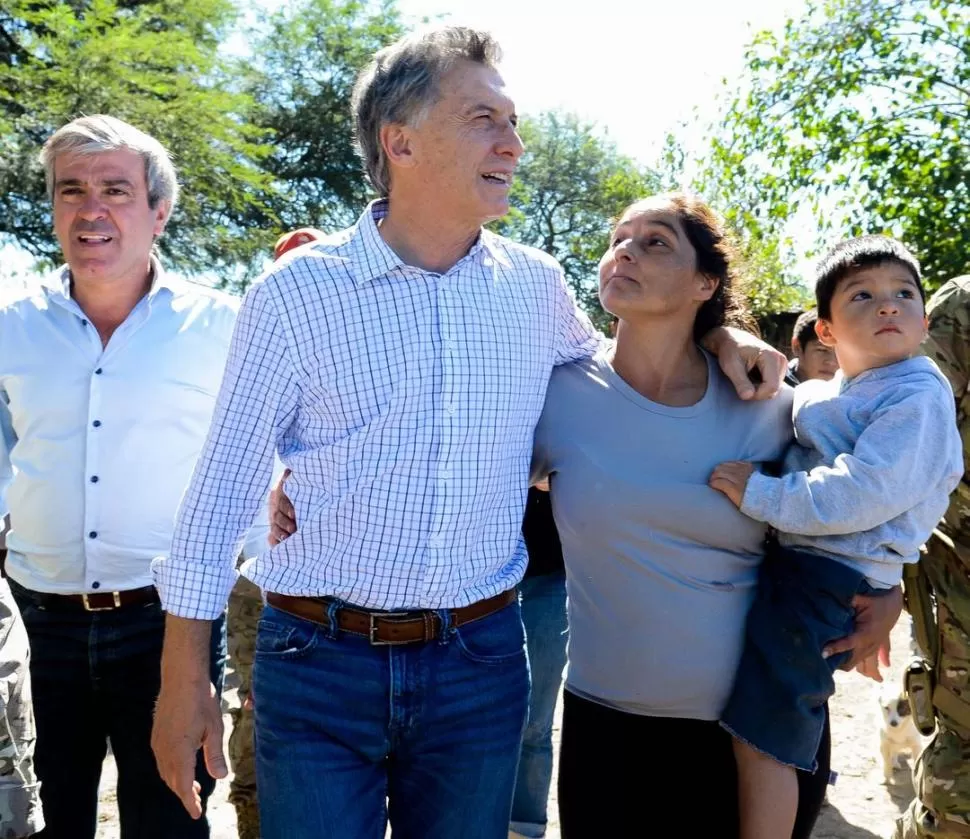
(940, 808)
(21, 814)
(108, 378)
(542, 595)
(242, 618)
(812, 359)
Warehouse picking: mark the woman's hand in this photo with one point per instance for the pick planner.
(731, 478)
(739, 353)
(869, 643)
(282, 516)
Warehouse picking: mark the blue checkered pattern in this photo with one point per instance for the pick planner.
(404, 402)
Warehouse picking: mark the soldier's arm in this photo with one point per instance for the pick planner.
(20, 808)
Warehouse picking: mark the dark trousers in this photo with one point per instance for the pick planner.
(95, 679)
(628, 775)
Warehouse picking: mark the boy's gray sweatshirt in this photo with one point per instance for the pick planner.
(870, 475)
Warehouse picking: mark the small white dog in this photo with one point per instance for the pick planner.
(897, 731)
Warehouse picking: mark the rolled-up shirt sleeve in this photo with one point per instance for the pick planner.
(257, 404)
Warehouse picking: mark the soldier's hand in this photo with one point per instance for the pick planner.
(282, 516)
(874, 619)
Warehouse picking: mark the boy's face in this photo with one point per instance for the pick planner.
(877, 318)
(815, 360)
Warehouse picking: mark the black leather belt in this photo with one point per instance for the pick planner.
(98, 601)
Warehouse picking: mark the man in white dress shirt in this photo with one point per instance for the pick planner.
(108, 377)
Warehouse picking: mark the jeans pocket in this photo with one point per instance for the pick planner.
(496, 639)
(283, 641)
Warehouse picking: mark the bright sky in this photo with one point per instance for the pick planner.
(638, 68)
(635, 67)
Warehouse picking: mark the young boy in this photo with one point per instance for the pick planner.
(876, 457)
(813, 360)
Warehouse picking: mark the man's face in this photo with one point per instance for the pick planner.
(467, 147)
(877, 318)
(816, 361)
(102, 218)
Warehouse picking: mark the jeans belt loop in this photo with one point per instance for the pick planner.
(333, 628)
(447, 618)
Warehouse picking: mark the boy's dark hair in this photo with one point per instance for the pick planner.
(853, 255)
(804, 330)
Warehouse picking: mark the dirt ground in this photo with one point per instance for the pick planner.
(859, 805)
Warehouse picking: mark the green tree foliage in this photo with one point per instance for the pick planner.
(153, 63)
(306, 60)
(860, 112)
(570, 183)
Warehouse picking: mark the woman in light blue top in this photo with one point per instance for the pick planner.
(661, 569)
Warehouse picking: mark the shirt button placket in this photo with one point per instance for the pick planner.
(92, 487)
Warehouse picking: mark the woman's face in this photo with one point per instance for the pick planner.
(650, 267)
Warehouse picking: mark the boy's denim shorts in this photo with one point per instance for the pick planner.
(803, 602)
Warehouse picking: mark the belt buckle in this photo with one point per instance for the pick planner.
(374, 617)
(115, 596)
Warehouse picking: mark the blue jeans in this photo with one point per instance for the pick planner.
(95, 678)
(426, 735)
(543, 600)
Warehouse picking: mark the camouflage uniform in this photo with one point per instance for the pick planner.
(245, 605)
(941, 775)
(20, 810)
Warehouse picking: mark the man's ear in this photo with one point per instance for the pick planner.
(396, 141)
(823, 329)
(162, 211)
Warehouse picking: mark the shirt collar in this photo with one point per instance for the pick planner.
(58, 281)
(376, 258)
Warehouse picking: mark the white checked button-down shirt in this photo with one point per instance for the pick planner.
(97, 444)
(404, 401)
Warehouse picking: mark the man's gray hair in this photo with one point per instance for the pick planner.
(101, 133)
(401, 84)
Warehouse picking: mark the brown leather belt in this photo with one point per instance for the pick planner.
(98, 601)
(386, 628)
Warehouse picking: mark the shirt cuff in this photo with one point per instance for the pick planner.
(191, 589)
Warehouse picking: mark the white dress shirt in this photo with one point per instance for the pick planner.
(404, 401)
(97, 444)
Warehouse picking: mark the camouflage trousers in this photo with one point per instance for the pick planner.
(245, 606)
(20, 810)
(941, 775)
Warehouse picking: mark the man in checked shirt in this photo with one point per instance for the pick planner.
(398, 368)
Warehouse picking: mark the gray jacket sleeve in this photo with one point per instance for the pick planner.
(901, 457)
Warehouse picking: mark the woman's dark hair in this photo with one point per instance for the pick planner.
(717, 258)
